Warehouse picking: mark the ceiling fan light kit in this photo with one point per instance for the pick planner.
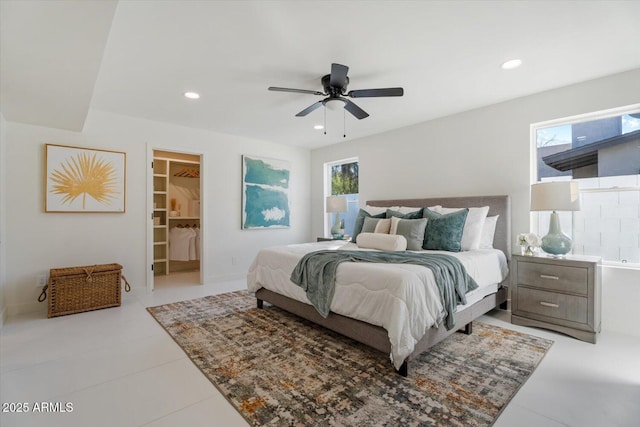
(335, 89)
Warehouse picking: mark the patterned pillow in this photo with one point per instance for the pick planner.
(357, 227)
(376, 225)
(444, 232)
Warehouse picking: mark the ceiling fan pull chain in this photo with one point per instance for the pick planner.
(344, 124)
(325, 119)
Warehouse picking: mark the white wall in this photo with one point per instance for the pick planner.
(38, 241)
(482, 151)
(3, 158)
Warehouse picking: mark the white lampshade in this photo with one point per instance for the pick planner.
(336, 204)
(555, 196)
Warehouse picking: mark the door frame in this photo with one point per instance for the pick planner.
(149, 211)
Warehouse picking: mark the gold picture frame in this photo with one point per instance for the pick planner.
(79, 179)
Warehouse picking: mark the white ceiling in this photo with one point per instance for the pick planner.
(59, 58)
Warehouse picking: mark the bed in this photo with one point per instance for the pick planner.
(402, 333)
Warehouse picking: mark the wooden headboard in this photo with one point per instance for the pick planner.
(498, 205)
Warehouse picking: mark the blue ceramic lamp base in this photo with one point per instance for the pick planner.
(337, 232)
(556, 242)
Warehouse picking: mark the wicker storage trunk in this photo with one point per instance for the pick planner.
(78, 289)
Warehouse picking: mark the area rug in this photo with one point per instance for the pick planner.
(278, 369)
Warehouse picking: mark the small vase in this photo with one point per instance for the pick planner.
(528, 250)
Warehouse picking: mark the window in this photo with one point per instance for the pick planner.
(601, 151)
(341, 178)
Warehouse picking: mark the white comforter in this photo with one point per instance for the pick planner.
(401, 298)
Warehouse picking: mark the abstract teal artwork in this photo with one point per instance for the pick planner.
(265, 193)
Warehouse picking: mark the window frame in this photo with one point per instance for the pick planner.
(327, 189)
(533, 162)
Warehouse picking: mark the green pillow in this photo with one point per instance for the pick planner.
(411, 215)
(444, 232)
(357, 227)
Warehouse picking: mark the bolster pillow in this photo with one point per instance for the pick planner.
(383, 242)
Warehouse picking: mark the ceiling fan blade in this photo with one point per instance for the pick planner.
(309, 109)
(338, 75)
(355, 110)
(286, 89)
(369, 93)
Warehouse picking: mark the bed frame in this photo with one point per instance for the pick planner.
(377, 337)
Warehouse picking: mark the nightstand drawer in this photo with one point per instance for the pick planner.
(553, 277)
(559, 306)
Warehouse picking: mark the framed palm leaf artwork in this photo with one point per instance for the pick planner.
(84, 179)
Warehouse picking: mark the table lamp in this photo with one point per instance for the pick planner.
(337, 204)
(555, 196)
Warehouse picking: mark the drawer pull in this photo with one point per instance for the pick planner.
(544, 276)
(549, 304)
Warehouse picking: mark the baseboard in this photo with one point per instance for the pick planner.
(136, 293)
(29, 307)
(225, 278)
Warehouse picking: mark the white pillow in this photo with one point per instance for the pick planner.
(383, 242)
(488, 231)
(406, 209)
(375, 210)
(472, 231)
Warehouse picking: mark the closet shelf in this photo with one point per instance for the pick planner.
(159, 192)
(160, 243)
(184, 217)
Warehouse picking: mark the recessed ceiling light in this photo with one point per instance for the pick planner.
(510, 65)
(192, 95)
(318, 127)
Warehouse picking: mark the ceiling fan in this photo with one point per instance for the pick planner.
(335, 89)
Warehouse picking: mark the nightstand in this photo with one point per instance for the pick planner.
(561, 294)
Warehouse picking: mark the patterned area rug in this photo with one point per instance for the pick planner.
(277, 369)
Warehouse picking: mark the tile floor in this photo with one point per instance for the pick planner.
(118, 367)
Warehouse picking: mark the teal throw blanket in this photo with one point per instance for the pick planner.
(316, 274)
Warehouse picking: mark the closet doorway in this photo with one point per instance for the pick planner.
(177, 225)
